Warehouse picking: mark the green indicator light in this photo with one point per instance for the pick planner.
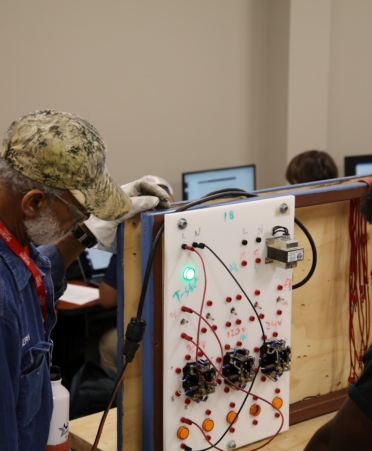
(189, 273)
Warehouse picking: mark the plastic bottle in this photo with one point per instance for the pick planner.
(58, 439)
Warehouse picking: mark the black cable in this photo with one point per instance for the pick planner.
(245, 294)
(236, 417)
(315, 255)
(212, 196)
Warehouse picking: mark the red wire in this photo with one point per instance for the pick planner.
(249, 393)
(219, 342)
(219, 371)
(359, 297)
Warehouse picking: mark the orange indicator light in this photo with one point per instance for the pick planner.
(208, 425)
(231, 417)
(277, 402)
(255, 410)
(182, 433)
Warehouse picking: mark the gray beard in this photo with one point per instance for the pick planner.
(45, 229)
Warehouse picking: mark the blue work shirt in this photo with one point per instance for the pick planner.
(26, 402)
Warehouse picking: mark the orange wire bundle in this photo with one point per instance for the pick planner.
(359, 300)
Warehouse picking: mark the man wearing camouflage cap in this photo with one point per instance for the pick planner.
(53, 176)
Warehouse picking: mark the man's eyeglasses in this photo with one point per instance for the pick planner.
(75, 212)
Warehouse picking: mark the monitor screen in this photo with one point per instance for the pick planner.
(94, 262)
(199, 183)
(358, 165)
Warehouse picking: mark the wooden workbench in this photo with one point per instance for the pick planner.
(83, 432)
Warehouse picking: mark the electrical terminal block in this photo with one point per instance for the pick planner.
(196, 387)
(238, 367)
(275, 359)
(284, 252)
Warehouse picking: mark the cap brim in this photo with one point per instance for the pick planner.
(106, 200)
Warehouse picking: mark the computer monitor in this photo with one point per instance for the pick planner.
(199, 183)
(358, 165)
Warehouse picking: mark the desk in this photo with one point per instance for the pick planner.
(83, 432)
(75, 325)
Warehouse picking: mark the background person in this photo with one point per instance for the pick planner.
(52, 176)
(311, 166)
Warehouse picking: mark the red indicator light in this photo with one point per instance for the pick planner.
(264, 337)
(178, 393)
(275, 334)
(277, 390)
(200, 353)
(208, 412)
(209, 303)
(239, 343)
(178, 370)
(226, 389)
(255, 422)
(279, 312)
(227, 347)
(228, 299)
(238, 297)
(252, 318)
(219, 359)
(187, 401)
(263, 378)
(228, 324)
(280, 287)
(232, 404)
(238, 321)
(262, 316)
(203, 330)
(187, 357)
(214, 327)
(257, 292)
(232, 430)
(244, 263)
(277, 414)
(256, 349)
(258, 260)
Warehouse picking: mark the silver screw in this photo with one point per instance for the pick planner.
(283, 208)
(233, 311)
(182, 223)
(231, 445)
(183, 321)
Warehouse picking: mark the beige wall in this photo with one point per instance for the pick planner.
(176, 86)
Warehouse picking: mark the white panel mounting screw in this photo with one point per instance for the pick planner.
(231, 445)
(182, 223)
(283, 208)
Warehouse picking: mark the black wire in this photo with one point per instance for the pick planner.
(207, 198)
(245, 294)
(263, 337)
(315, 256)
(236, 417)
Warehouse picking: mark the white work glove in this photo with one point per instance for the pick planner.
(144, 196)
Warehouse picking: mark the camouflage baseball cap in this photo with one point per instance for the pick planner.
(62, 150)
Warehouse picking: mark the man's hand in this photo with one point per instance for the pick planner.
(144, 196)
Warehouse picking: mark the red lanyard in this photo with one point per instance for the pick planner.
(16, 247)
